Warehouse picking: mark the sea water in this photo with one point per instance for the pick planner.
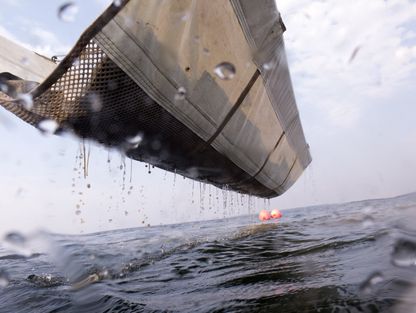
(353, 257)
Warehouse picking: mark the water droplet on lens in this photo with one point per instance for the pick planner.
(368, 221)
(15, 239)
(185, 17)
(88, 185)
(134, 141)
(180, 95)
(18, 243)
(4, 88)
(268, 66)
(372, 280)
(112, 85)
(225, 71)
(67, 12)
(76, 62)
(117, 3)
(78, 212)
(25, 100)
(156, 145)
(48, 127)
(94, 101)
(404, 253)
(4, 279)
(24, 61)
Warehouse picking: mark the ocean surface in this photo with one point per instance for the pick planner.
(354, 257)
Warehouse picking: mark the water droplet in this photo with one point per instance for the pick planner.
(354, 54)
(185, 17)
(156, 145)
(94, 102)
(67, 12)
(25, 100)
(88, 185)
(404, 253)
(48, 127)
(18, 243)
(104, 274)
(112, 85)
(126, 213)
(4, 88)
(225, 71)
(372, 280)
(117, 3)
(78, 212)
(110, 220)
(181, 93)
(24, 61)
(368, 221)
(15, 239)
(267, 66)
(4, 279)
(134, 141)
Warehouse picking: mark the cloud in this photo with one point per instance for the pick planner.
(345, 55)
(47, 43)
(39, 40)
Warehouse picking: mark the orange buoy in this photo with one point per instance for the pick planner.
(276, 213)
(264, 215)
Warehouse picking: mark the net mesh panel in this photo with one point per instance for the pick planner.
(97, 100)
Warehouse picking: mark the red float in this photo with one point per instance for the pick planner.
(264, 215)
(276, 213)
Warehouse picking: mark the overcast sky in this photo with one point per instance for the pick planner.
(353, 66)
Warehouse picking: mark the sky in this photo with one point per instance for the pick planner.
(353, 68)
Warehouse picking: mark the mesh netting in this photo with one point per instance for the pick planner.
(94, 98)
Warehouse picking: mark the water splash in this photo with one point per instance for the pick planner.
(193, 191)
(85, 158)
